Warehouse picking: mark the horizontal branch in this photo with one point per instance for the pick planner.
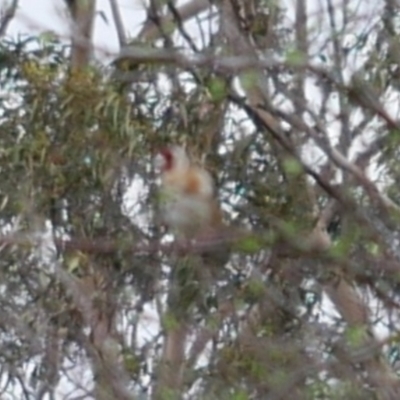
(291, 246)
(230, 64)
(107, 246)
(237, 239)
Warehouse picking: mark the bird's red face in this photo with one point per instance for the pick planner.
(165, 159)
(172, 158)
(166, 153)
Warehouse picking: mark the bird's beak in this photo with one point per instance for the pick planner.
(159, 162)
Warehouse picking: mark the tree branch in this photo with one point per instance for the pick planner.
(119, 25)
(7, 17)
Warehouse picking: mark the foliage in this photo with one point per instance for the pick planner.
(313, 277)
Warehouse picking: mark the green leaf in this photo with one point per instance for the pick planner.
(254, 290)
(217, 89)
(47, 37)
(249, 245)
(4, 202)
(355, 335)
(295, 57)
(248, 80)
(292, 166)
(170, 322)
(74, 263)
(240, 395)
(373, 248)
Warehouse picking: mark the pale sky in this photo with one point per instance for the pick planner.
(43, 15)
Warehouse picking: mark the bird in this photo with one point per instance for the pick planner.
(189, 205)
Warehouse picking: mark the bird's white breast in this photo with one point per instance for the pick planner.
(186, 214)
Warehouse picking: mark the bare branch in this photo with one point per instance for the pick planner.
(340, 160)
(171, 362)
(83, 13)
(302, 46)
(152, 31)
(112, 379)
(119, 25)
(356, 314)
(345, 137)
(7, 16)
